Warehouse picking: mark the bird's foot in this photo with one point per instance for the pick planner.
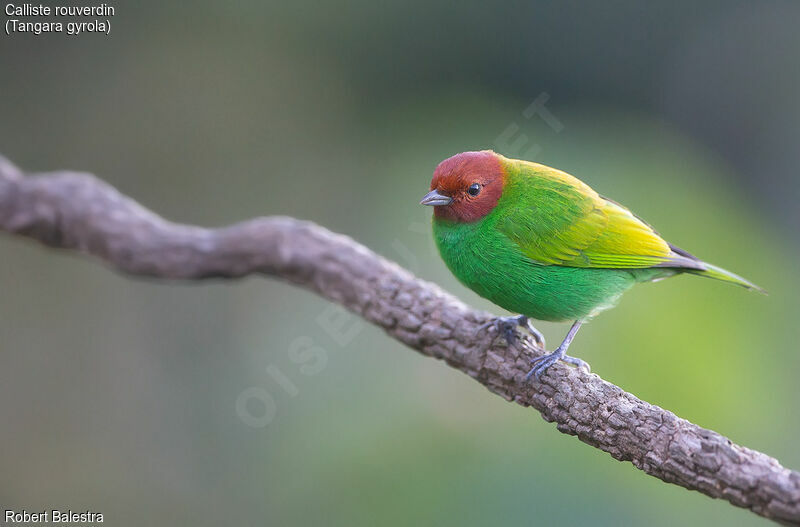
(543, 363)
(507, 326)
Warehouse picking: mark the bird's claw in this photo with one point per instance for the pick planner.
(578, 363)
(507, 326)
(503, 326)
(543, 363)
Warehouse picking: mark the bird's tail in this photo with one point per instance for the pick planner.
(718, 273)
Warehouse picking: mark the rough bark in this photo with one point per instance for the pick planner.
(78, 211)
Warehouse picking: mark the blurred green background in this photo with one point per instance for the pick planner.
(120, 395)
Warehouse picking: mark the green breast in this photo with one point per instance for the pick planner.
(490, 264)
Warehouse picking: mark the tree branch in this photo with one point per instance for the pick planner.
(77, 211)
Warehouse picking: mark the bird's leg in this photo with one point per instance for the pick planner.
(541, 364)
(506, 326)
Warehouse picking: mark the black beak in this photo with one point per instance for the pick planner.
(434, 199)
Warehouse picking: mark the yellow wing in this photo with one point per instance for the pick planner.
(565, 222)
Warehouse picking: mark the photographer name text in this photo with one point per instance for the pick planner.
(52, 516)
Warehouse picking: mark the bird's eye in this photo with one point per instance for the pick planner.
(474, 189)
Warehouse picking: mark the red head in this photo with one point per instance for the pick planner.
(466, 187)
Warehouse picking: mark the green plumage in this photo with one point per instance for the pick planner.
(550, 248)
(490, 264)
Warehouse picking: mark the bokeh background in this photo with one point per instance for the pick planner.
(120, 395)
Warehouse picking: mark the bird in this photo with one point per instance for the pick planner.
(537, 241)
